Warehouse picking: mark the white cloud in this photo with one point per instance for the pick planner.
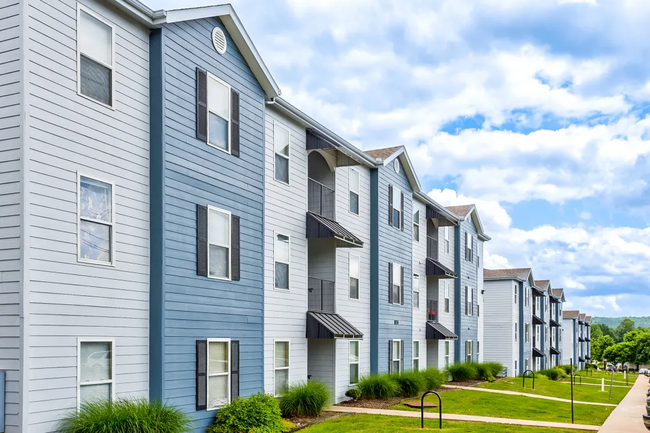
(585, 215)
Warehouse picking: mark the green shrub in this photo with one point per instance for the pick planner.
(353, 393)
(378, 386)
(433, 378)
(126, 416)
(304, 399)
(410, 383)
(258, 413)
(495, 368)
(567, 369)
(553, 373)
(461, 372)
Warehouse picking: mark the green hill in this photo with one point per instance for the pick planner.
(640, 322)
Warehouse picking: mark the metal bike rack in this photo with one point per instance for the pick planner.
(422, 408)
(574, 378)
(523, 385)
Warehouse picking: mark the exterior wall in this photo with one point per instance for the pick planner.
(70, 134)
(501, 314)
(187, 307)
(322, 361)
(481, 302)
(393, 245)
(569, 340)
(11, 207)
(419, 264)
(526, 350)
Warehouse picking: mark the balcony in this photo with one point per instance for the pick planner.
(432, 248)
(320, 295)
(432, 311)
(322, 199)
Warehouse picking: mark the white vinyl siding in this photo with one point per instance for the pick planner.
(219, 364)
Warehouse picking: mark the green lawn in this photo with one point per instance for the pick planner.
(551, 388)
(391, 424)
(512, 406)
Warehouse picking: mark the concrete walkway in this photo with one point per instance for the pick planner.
(627, 417)
(524, 394)
(466, 418)
(598, 385)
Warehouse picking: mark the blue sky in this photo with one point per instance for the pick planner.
(535, 110)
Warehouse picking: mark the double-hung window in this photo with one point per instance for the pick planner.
(469, 244)
(354, 276)
(469, 301)
(468, 351)
(95, 57)
(527, 300)
(96, 221)
(447, 248)
(396, 283)
(397, 208)
(281, 367)
(218, 373)
(516, 332)
(219, 248)
(416, 225)
(416, 355)
(281, 145)
(446, 286)
(527, 333)
(396, 357)
(538, 336)
(447, 351)
(478, 351)
(416, 291)
(353, 360)
(218, 114)
(516, 294)
(282, 259)
(96, 370)
(354, 191)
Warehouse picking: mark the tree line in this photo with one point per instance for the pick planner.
(625, 343)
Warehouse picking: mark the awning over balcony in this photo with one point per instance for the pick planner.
(321, 324)
(554, 323)
(435, 268)
(554, 299)
(335, 154)
(321, 227)
(580, 339)
(433, 213)
(581, 359)
(436, 331)
(538, 321)
(537, 353)
(537, 292)
(554, 351)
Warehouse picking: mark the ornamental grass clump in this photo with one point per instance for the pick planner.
(258, 413)
(433, 378)
(126, 416)
(553, 373)
(379, 386)
(462, 372)
(304, 399)
(410, 383)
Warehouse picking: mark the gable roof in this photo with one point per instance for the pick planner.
(463, 211)
(519, 274)
(229, 18)
(588, 320)
(570, 314)
(559, 293)
(437, 206)
(386, 155)
(543, 284)
(582, 317)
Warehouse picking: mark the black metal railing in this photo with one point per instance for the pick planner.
(320, 295)
(322, 200)
(432, 311)
(432, 248)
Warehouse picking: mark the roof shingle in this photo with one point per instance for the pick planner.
(542, 284)
(383, 153)
(516, 273)
(462, 210)
(570, 314)
(557, 292)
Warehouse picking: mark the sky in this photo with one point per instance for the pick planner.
(537, 111)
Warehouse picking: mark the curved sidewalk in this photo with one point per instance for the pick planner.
(627, 417)
(542, 397)
(466, 418)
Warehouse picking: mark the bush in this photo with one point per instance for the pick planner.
(304, 399)
(378, 386)
(553, 373)
(567, 368)
(462, 371)
(495, 368)
(433, 378)
(410, 383)
(126, 416)
(258, 413)
(353, 393)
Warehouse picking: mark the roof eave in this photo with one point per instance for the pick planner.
(428, 200)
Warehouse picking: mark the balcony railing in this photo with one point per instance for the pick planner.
(432, 311)
(320, 295)
(322, 200)
(432, 248)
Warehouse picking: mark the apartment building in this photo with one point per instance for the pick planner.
(555, 320)
(570, 332)
(540, 311)
(587, 339)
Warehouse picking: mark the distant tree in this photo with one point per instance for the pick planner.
(623, 328)
(605, 329)
(621, 352)
(596, 332)
(599, 345)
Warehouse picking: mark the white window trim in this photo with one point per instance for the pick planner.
(399, 355)
(111, 67)
(275, 368)
(350, 255)
(446, 297)
(207, 137)
(417, 223)
(358, 192)
(469, 344)
(447, 353)
(358, 363)
(277, 124)
(416, 357)
(397, 301)
(399, 218)
(229, 243)
(416, 276)
(516, 333)
(447, 243)
(275, 260)
(102, 382)
(80, 218)
(208, 375)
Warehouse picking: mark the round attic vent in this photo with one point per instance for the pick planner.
(396, 165)
(219, 40)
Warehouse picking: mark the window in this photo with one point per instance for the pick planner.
(478, 255)
(416, 291)
(219, 114)
(416, 355)
(354, 191)
(516, 369)
(397, 208)
(96, 368)
(446, 286)
(527, 333)
(469, 301)
(469, 244)
(354, 362)
(478, 350)
(96, 218)
(95, 74)
(538, 333)
(218, 373)
(282, 258)
(527, 364)
(516, 294)
(354, 276)
(468, 351)
(416, 226)
(396, 284)
(396, 360)
(538, 302)
(219, 244)
(447, 345)
(527, 299)
(516, 332)
(281, 367)
(281, 145)
(478, 305)
(446, 231)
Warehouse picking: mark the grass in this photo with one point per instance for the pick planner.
(552, 388)
(512, 406)
(391, 424)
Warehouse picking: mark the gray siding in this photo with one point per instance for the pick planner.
(447, 258)
(322, 364)
(527, 318)
(11, 107)
(69, 134)
(500, 316)
(468, 277)
(419, 263)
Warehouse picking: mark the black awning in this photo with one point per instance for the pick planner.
(538, 321)
(554, 323)
(321, 227)
(538, 353)
(436, 331)
(433, 213)
(587, 357)
(580, 339)
(321, 324)
(435, 268)
(554, 299)
(316, 141)
(581, 359)
(537, 292)
(554, 351)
